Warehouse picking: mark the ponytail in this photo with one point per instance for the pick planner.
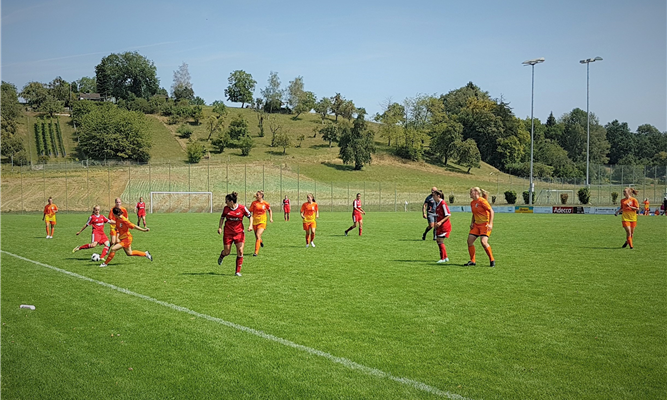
(233, 196)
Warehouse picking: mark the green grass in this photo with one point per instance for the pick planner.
(566, 313)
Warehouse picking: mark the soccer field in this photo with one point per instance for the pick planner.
(566, 313)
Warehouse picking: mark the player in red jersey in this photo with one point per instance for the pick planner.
(112, 227)
(443, 225)
(357, 215)
(286, 208)
(123, 226)
(309, 214)
(97, 221)
(49, 217)
(232, 215)
(481, 224)
(140, 208)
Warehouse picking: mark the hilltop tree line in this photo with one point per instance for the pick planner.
(465, 125)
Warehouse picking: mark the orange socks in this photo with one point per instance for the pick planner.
(258, 244)
(471, 251)
(489, 253)
(138, 253)
(109, 258)
(630, 241)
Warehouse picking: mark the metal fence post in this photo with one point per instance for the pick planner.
(66, 191)
(331, 200)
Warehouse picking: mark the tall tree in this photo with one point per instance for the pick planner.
(182, 86)
(457, 99)
(120, 75)
(273, 95)
(305, 103)
(574, 139)
(241, 87)
(322, 107)
(34, 93)
(86, 85)
(391, 121)
(295, 90)
(621, 140)
(357, 143)
(446, 137)
(11, 144)
(337, 104)
(468, 154)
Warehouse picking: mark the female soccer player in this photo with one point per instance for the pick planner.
(443, 225)
(258, 210)
(233, 214)
(140, 208)
(123, 226)
(112, 227)
(647, 210)
(629, 208)
(481, 224)
(428, 212)
(286, 208)
(49, 217)
(309, 215)
(97, 221)
(357, 215)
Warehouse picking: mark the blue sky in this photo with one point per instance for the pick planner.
(369, 51)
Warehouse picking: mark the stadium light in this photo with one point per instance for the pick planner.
(588, 61)
(532, 124)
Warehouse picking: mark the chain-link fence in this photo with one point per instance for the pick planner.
(77, 187)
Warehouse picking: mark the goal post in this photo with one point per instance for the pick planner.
(178, 198)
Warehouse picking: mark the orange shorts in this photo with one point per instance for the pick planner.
(50, 219)
(259, 226)
(480, 230)
(631, 224)
(309, 225)
(126, 243)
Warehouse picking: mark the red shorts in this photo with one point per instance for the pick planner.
(441, 232)
(100, 238)
(480, 230)
(236, 238)
(356, 217)
(141, 213)
(631, 224)
(286, 209)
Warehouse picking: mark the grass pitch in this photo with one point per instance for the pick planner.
(566, 313)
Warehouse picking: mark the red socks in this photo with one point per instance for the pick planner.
(105, 251)
(239, 263)
(85, 246)
(443, 251)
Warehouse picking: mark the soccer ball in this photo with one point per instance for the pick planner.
(95, 257)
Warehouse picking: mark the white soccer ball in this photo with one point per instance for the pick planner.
(95, 257)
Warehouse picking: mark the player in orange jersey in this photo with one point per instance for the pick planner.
(112, 227)
(140, 208)
(629, 209)
(647, 210)
(258, 210)
(49, 217)
(309, 215)
(357, 215)
(123, 226)
(481, 224)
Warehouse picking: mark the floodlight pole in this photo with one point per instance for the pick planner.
(588, 61)
(532, 63)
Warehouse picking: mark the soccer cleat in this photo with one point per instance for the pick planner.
(469, 264)
(631, 248)
(149, 256)
(424, 236)
(103, 265)
(254, 254)
(238, 274)
(312, 244)
(345, 233)
(307, 245)
(261, 244)
(75, 249)
(220, 260)
(493, 264)
(443, 260)
(625, 245)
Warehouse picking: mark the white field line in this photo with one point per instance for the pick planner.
(339, 360)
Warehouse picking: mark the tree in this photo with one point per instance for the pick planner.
(246, 144)
(219, 108)
(120, 75)
(241, 87)
(391, 120)
(238, 128)
(284, 140)
(221, 141)
(34, 93)
(213, 125)
(195, 151)
(182, 87)
(322, 107)
(85, 85)
(197, 113)
(273, 95)
(347, 110)
(457, 99)
(274, 127)
(357, 143)
(51, 106)
(337, 102)
(468, 154)
(10, 112)
(330, 132)
(81, 108)
(60, 90)
(305, 103)
(198, 101)
(574, 139)
(110, 132)
(621, 140)
(294, 92)
(446, 137)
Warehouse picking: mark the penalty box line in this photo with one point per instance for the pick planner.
(338, 360)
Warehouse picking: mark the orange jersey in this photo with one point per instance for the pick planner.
(309, 211)
(258, 210)
(50, 210)
(123, 227)
(646, 205)
(113, 217)
(629, 214)
(480, 210)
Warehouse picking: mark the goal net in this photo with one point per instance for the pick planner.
(172, 202)
(552, 196)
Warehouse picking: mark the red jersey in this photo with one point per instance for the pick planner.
(97, 223)
(141, 206)
(356, 206)
(234, 219)
(286, 204)
(442, 211)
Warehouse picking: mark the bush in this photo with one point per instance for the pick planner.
(221, 141)
(43, 159)
(451, 199)
(245, 144)
(563, 198)
(195, 151)
(493, 199)
(526, 198)
(510, 197)
(614, 197)
(584, 195)
(184, 131)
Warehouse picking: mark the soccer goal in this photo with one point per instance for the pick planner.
(181, 202)
(553, 195)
